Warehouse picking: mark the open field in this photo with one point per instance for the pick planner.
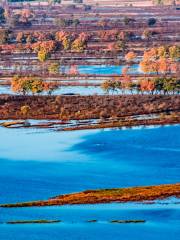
(85, 107)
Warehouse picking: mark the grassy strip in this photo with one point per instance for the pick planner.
(92, 221)
(161, 119)
(128, 221)
(133, 194)
(42, 221)
(33, 221)
(128, 123)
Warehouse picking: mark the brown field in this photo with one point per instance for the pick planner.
(85, 107)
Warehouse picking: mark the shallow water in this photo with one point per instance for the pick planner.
(37, 164)
(80, 90)
(64, 90)
(104, 69)
(85, 69)
(161, 222)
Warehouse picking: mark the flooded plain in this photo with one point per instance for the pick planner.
(40, 163)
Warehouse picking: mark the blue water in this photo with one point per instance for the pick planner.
(104, 69)
(64, 90)
(38, 164)
(161, 222)
(80, 90)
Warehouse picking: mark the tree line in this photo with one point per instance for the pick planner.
(157, 85)
(33, 85)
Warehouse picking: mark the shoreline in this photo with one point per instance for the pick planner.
(127, 125)
(116, 195)
(73, 125)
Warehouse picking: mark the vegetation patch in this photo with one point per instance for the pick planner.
(128, 221)
(92, 221)
(41, 221)
(133, 194)
(85, 107)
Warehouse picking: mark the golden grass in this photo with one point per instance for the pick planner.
(133, 194)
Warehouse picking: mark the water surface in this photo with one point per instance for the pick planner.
(104, 69)
(162, 220)
(37, 164)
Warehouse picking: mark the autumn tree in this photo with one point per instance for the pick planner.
(54, 68)
(160, 60)
(121, 45)
(147, 85)
(25, 109)
(24, 85)
(50, 87)
(111, 85)
(59, 36)
(174, 52)
(163, 65)
(130, 56)
(171, 85)
(162, 51)
(78, 45)
(146, 34)
(66, 43)
(20, 38)
(156, 85)
(42, 55)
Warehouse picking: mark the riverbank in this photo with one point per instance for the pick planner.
(133, 194)
(72, 125)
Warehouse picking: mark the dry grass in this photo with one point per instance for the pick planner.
(133, 194)
(85, 107)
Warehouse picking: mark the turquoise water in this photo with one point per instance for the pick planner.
(38, 164)
(80, 90)
(64, 90)
(104, 69)
(161, 222)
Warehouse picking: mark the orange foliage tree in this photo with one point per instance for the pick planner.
(130, 56)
